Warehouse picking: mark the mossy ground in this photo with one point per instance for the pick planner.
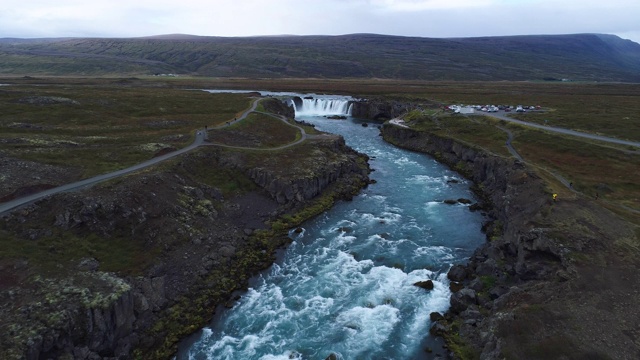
(76, 137)
(592, 167)
(102, 128)
(129, 119)
(257, 131)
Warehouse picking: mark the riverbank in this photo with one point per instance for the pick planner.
(545, 273)
(128, 268)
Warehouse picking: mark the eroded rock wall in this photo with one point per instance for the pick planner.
(187, 237)
(518, 250)
(384, 109)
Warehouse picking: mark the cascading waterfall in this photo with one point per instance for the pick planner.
(308, 104)
(322, 107)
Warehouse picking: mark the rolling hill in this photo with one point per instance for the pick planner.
(580, 57)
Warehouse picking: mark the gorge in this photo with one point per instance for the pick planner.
(346, 286)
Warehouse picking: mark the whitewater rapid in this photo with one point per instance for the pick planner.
(345, 284)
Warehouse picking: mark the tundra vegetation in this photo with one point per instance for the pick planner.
(66, 129)
(210, 218)
(103, 128)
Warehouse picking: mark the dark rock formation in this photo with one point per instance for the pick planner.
(276, 106)
(195, 246)
(517, 251)
(462, 299)
(435, 316)
(457, 273)
(427, 285)
(303, 188)
(379, 109)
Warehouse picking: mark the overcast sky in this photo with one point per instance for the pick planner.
(423, 18)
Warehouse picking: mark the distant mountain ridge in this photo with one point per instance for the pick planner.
(580, 57)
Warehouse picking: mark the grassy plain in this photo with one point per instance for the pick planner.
(122, 121)
(99, 125)
(104, 127)
(612, 110)
(257, 130)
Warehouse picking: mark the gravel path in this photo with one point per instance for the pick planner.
(200, 137)
(502, 116)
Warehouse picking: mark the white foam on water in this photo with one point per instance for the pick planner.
(286, 356)
(404, 161)
(234, 348)
(378, 198)
(368, 219)
(393, 209)
(343, 239)
(367, 328)
(318, 306)
(438, 212)
(344, 269)
(413, 225)
(339, 227)
(390, 217)
(440, 252)
(369, 241)
(294, 235)
(383, 285)
(427, 180)
(395, 246)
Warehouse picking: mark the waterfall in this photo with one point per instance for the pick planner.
(321, 107)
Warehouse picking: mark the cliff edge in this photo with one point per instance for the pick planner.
(548, 273)
(128, 268)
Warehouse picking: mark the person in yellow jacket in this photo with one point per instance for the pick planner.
(555, 196)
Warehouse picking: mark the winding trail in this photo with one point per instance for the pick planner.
(510, 147)
(501, 115)
(279, 117)
(201, 136)
(569, 185)
(560, 178)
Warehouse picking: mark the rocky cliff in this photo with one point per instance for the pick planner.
(126, 269)
(528, 262)
(311, 183)
(375, 108)
(275, 106)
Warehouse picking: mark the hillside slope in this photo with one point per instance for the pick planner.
(591, 57)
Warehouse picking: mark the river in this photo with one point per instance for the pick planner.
(345, 284)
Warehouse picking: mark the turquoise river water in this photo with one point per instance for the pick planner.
(345, 284)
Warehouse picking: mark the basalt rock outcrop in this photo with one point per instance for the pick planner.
(310, 184)
(380, 109)
(528, 257)
(275, 106)
(166, 247)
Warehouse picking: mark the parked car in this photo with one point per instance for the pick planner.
(519, 108)
(507, 109)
